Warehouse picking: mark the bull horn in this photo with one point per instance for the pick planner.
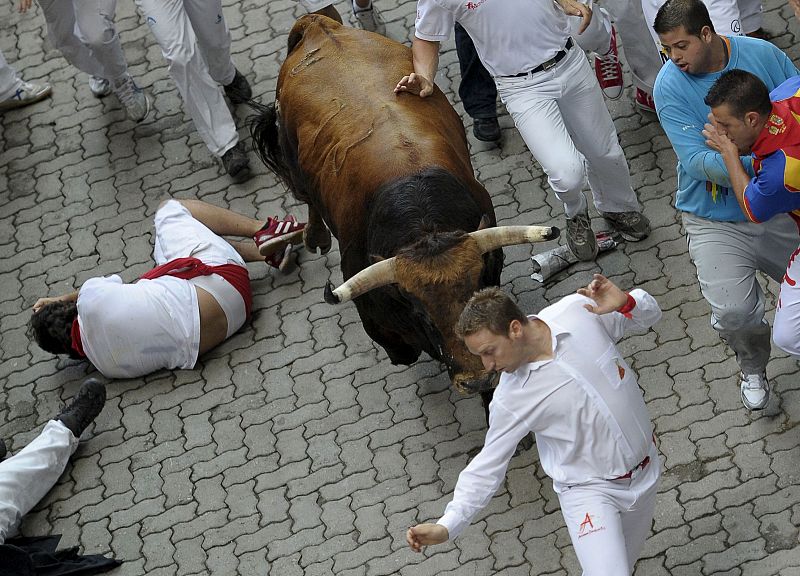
(493, 238)
(377, 275)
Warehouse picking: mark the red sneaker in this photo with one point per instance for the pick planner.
(277, 232)
(608, 70)
(644, 101)
(280, 259)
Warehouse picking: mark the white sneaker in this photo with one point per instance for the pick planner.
(368, 18)
(26, 93)
(99, 86)
(137, 104)
(755, 391)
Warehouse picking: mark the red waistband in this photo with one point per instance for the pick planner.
(188, 268)
(641, 465)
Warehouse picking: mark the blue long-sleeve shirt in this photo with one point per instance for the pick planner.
(703, 181)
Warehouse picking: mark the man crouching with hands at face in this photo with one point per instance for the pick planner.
(564, 380)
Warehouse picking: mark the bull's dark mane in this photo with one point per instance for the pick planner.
(422, 212)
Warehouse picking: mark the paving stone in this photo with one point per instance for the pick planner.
(296, 447)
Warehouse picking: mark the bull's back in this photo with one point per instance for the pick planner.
(337, 101)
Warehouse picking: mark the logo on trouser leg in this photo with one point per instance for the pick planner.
(588, 526)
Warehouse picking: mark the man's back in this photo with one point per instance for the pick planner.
(129, 330)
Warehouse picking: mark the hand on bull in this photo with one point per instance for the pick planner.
(416, 84)
(425, 535)
(606, 295)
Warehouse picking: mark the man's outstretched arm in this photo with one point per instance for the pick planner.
(42, 302)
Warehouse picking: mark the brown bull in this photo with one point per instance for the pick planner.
(391, 177)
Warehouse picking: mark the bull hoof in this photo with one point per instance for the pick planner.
(315, 241)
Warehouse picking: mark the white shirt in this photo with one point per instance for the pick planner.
(510, 36)
(584, 407)
(129, 330)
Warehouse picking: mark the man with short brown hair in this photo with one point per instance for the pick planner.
(564, 380)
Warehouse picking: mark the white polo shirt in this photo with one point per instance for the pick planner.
(510, 36)
(584, 407)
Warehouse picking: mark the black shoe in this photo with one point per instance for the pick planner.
(486, 129)
(238, 91)
(85, 407)
(236, 163)
(3, 450)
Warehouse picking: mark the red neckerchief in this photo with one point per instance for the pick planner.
(75, 333)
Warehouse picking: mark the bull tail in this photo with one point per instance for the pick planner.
(265, 131)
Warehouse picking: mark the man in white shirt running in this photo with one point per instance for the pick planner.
(564, 380)
(551, 93)
(198, 295)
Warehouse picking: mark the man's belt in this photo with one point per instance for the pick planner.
(640, 466)
(548, 64)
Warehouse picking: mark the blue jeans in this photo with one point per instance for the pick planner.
(477, 90)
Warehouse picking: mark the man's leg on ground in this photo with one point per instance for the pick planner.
(15, 92)
(591, 128)
(644, 60)
(9, 81)
(786, 330)
(202, 96)
(179, 233)
(532, 103)
(595, 527)
(726, 257)
(95, 20)
(213, 38)
(637, 519)
(477, 90)
(27, 476)
(752, 16)
(61, 26)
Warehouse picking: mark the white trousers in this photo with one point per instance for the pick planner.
(730, 17)
(27, 476)
(727, 256)
(563, 120)
(609, 520)
(9, 80)
(643, 59)
(786, 329)
(196, 43)
(84, 32)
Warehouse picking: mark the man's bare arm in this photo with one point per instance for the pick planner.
(425, 55)
(41, 302)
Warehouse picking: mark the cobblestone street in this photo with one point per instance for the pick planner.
(296, 447)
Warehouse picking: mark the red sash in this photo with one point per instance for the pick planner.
(186, 269)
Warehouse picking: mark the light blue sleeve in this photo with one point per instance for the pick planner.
(685, 131)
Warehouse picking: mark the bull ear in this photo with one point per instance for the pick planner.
(486, 222)
(374, 258)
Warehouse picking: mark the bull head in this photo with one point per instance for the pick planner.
(443, 283)
(383, 273)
